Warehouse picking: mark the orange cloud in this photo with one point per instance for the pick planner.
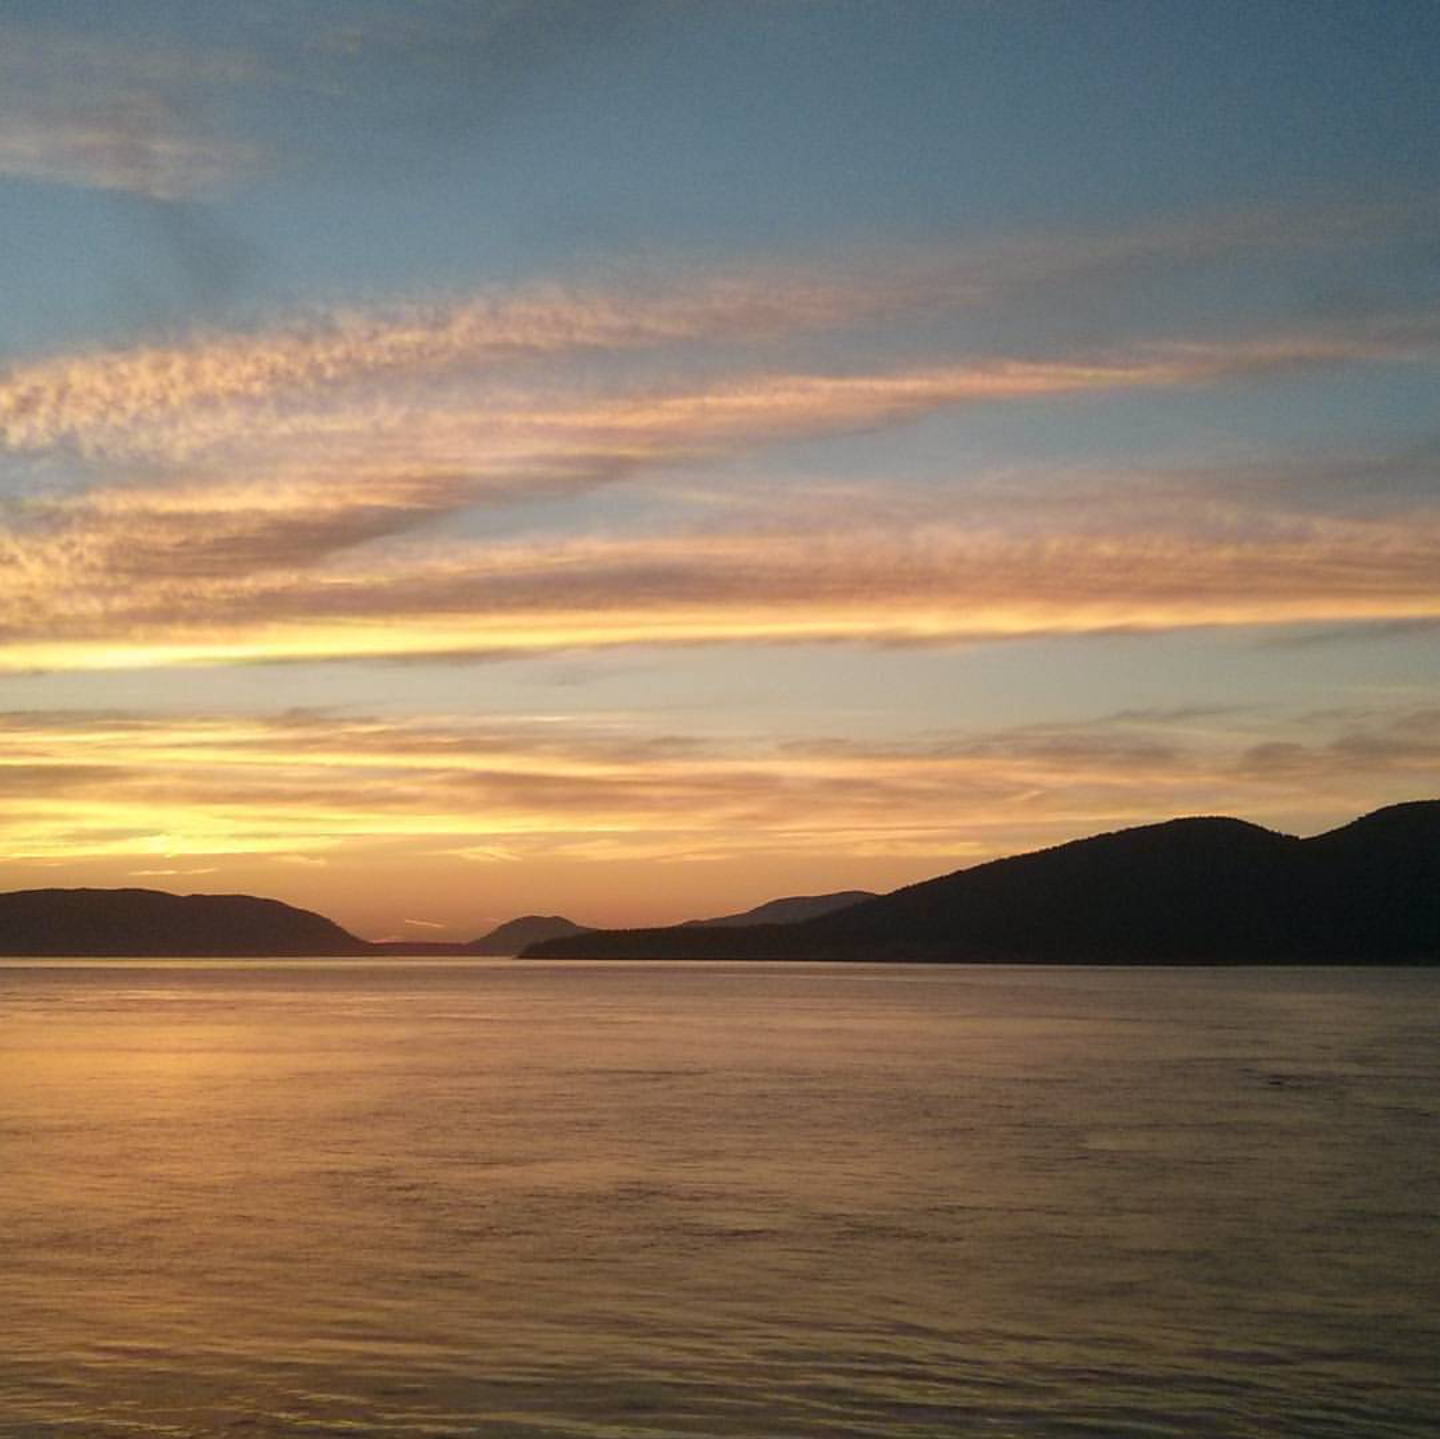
(940, 583)
(347, 367)
(258, 497)
(168, 401)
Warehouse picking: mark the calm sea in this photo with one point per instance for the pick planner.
(504, 1198)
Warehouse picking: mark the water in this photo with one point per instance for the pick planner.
(502, 1198)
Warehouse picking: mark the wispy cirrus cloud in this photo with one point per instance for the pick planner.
(78, 109)
(168, 400)
(136, 144)
(277, 494)
(92, 599)
(132, 107)
(286, 487)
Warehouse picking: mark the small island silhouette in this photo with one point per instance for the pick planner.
(1189, 891)
(516, 934)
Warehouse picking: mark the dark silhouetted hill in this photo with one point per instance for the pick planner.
(149, 923)
(1208, 891)
(791, 910)
(514, 935)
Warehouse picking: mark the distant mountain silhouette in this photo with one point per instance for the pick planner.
(147, 922)
(514, 935)
(791, 910)
(1206, 891)
(1209, 891)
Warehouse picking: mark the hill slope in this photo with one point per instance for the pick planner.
(1188, 891)
(150, 923)
(791, 910)
(515, 934)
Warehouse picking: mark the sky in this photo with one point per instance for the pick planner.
(634, 460)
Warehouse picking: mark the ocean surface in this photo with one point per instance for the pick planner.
(508, 1198)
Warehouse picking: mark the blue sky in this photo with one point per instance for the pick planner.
(630, 458)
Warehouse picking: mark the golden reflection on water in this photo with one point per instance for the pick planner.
(497, 1198)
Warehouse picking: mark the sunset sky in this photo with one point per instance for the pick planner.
(634, 460)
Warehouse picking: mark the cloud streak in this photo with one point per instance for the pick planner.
(279, 494)
(325, 785)
(133, 144)
(70, 606)
(167, 400)
(80, 110)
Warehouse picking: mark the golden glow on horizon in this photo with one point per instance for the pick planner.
(363, 484)
(146, 796)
